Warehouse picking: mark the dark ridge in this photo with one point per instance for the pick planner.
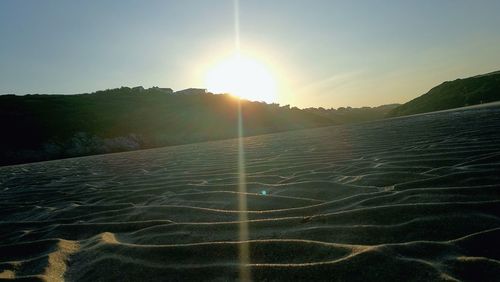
(454, 94)
(44, 127)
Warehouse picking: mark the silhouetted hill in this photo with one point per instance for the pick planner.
(350, 115)
(454, 94)
(43, 127)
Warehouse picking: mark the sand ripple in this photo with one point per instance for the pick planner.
(413, 198)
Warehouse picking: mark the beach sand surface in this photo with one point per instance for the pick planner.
(405, 199)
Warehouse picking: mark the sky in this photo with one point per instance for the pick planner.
(321, 53)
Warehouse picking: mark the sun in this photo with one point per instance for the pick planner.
(243, 77)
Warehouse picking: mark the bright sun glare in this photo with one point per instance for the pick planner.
(243, 77)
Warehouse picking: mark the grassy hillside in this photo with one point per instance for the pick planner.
(43, 127)
(453, 94)
(349, 115)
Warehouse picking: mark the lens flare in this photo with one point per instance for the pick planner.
(244, 250)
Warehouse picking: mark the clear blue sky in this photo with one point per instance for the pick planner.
(327, 53)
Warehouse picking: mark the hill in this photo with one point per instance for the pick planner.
(44, 127)
(350, 115)
(454, 94)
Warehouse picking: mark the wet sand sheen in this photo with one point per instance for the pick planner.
(413, 198)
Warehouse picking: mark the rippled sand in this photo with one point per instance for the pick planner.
(405, 199)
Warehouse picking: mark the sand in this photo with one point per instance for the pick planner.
(406, 199)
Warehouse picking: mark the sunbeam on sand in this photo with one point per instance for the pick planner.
(244, 253)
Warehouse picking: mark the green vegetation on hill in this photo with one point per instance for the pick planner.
(454, 94)
(349, 115)
(43, 127)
